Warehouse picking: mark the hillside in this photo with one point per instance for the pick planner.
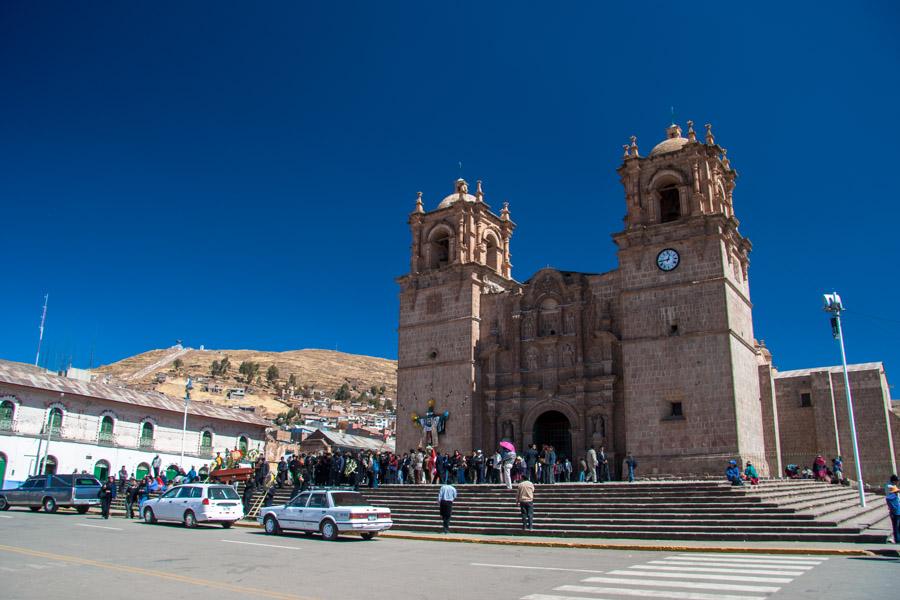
(323, 370)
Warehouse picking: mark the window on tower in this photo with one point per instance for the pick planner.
(439, 248)
(669, 204)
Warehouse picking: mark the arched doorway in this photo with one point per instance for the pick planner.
(553, 428)
(2, 469)
(171, 472)
(51, 465)
(141, 471)
(101, 470)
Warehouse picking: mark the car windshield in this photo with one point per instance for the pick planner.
(222, 493)
(348, 499)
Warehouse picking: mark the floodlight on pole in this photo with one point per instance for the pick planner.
(835, 307)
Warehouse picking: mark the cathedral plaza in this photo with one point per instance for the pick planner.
(657, 358)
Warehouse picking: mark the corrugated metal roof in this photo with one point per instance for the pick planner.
(29, 376)
(345, 440)
(835, 369)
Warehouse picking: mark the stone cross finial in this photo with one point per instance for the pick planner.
(479, 194)
(709, 135)
(692, 135)
(504, 214)
(725, 162)
(625, 149)
(419, 207)
(634, 148)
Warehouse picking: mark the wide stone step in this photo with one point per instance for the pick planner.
(574, 523)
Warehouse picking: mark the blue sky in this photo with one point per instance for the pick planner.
(239, 175)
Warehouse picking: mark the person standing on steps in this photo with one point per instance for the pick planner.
(603, 466)
(446, 497)
(157, 465)
(591, 475)
(631, 464)
(525, 500)
(892, 498)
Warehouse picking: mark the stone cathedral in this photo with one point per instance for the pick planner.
(656, 357)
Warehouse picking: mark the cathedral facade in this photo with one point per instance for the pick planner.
(656, 358)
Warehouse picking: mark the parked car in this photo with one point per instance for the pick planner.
(195, 503)
(330, 512)
(52, 492)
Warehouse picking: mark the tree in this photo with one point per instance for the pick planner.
(219, 368)
(248, 369)
(388, 405)
(178, 364)
(292, 381)
(382, 390)
(343, 393)
(271, 373)
(373, 390)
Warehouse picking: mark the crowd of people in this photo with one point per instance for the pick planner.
(431, 465)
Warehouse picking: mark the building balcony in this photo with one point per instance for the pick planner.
(146, 444)
(106, 439)
(206, 453)
(6, 424)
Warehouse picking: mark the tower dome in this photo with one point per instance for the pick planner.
(461, 193)
(674, 141)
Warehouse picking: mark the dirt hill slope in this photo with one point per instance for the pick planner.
(324, 370)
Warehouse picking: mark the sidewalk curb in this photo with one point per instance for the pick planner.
(632, 547)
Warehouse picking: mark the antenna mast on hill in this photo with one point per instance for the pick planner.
(41, 336)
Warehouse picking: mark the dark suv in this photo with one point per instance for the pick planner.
(53, 491)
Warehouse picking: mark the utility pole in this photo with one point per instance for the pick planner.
(41, 336)
(834, 306)
(187, 400)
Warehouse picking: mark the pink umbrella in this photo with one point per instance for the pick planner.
(508, 446)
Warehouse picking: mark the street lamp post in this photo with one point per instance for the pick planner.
(187, 400)
(834, 306)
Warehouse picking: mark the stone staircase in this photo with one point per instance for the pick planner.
(776, 510)
(787, 511)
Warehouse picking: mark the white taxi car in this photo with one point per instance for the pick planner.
(196, 503)
(330, 512)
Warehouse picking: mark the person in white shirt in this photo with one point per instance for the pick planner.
(446, 496)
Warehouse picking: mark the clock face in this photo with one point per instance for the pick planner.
(667, 259)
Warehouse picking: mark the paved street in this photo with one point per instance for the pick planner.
(70, 555)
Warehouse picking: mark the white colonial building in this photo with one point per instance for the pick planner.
(99, 428)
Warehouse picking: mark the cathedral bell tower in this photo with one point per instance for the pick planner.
(690, 378)
(459, 251)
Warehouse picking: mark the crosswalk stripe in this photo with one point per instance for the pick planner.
(670, 594)
(688, 569)
(684, 584)
(777, 557)
(555, 597)
(744, 561)
(733, 565)
(706, 576)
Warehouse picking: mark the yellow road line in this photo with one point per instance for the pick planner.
(158, 574)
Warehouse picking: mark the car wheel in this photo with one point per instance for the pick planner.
(50, 505)
(4, 503)
(368, 535)
(271, 525)
(82, 509)
(190, 520)
(34, 508)
(329, 530)
(227, 524)
(149, 517)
